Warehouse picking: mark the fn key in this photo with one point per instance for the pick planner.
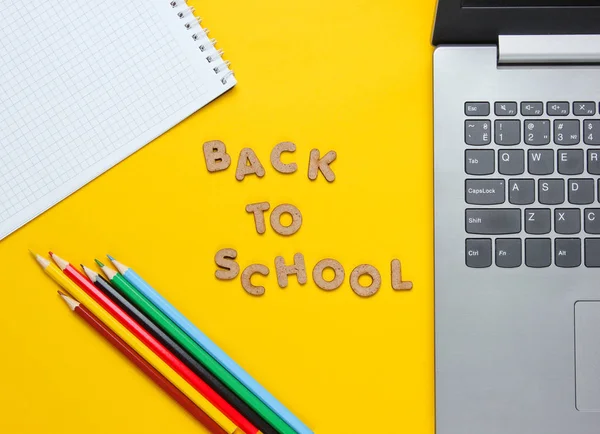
(478, 252)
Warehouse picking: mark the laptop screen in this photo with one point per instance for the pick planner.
(528, 3)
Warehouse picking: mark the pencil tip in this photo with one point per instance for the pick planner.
(91, 274)
(71, 302)
(40, 260)
(50, 253)
(32, 253)
(100, 264)
(110, 257)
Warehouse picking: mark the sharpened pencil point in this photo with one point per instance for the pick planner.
(62, 264)
(40, 260)
(110, 257)
(71, 302)
(91, 274)
(100, 264)
(32, 253)
(50, 253)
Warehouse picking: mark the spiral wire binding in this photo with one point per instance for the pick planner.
(202, 35)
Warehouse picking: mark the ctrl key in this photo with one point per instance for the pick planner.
(478, 252)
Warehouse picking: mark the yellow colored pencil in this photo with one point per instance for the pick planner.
(79, 294)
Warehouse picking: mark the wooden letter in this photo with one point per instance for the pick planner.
(216, 156)
(283, 271)
(338, 278)
(259, 215)
(315, 164)
(365, 291)
(296, 219)
(397, 283)
(248, 164)
(247, 276)
(276, 158)
(225, 259)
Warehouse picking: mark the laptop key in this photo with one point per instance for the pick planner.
(477, 108)
(477, 133)
(521, 191)
(567, 221)
(508, 252)
(566, 132)
(581, 191)
(486, 221)
(537, 221)
(511, 162)
(591, 220)
(592, 252)
(570, 161)
(584, 108)
(505, 108)
(567, 252)
(551, 191)
(537, 132)
(484, 191)
(593, 161)
(532, 108)
(479, 162)
(540, 162)
(478, 252)
(591, 132)
(538, 252)
(507, 133)
(557, 108)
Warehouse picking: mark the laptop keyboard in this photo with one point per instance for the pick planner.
(532, 191)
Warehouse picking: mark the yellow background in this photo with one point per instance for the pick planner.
(349, 76)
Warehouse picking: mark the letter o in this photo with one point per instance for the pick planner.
(292, 211)
(338, 278)
(362, 290)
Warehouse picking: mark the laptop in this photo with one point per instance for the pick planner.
(517, 216)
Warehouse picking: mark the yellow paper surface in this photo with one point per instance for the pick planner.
(352, 76)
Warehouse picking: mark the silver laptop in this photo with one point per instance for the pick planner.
(517, 216)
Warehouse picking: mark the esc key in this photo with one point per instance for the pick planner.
(477, 108)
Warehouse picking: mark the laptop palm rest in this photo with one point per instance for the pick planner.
(587, 355)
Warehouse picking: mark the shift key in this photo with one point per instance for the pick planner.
(493, 221)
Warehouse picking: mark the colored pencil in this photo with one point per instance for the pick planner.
(153, 344)
(104, 286)
(76, 292)
(219, 355)
(142, 365)
(165, 323)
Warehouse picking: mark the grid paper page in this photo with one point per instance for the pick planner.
(83, 84)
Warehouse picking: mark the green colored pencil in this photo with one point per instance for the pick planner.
(195, 350)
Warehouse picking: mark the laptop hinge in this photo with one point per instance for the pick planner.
(548, 49)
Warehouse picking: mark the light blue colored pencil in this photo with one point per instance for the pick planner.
(209, 346)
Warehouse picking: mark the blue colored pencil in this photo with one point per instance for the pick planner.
(201, 339)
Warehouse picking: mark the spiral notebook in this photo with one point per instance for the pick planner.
(84, 84)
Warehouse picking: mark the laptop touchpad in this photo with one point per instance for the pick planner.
(587, 355)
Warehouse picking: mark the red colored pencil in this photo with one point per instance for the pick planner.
(143, 365)
(151, 342)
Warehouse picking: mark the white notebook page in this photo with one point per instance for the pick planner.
(83, 84)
